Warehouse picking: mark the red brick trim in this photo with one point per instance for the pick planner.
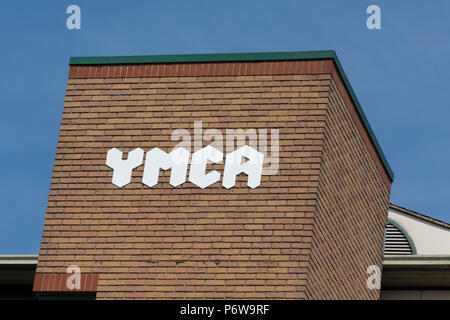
(200, 69)
(56, 282)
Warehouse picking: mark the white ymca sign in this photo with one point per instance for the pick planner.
(178, 161)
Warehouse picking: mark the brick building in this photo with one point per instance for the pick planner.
(309, 230)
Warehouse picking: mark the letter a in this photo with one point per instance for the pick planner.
(234, 166)
(74, 20)
(73, 281)
(373, 21)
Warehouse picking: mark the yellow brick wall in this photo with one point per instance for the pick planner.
(281, 240)
(185, 242)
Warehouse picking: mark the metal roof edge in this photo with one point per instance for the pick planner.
(235, 57)
(209, 57)
(419, 215)
(416, 259)
(363, 117)
(18, 259)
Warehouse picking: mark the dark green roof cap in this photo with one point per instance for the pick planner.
(235, 57)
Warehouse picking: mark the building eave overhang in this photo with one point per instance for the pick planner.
(16, 270)
(416, 271)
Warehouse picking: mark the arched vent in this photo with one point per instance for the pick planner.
(396, 242)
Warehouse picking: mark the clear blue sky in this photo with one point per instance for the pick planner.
(401, 75)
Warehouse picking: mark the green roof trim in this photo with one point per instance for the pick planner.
(213, 57)
(236, 57)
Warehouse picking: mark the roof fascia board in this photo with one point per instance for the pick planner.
(419, 216)
(416, 260)
(213, 57)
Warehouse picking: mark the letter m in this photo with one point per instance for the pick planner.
(157, 159)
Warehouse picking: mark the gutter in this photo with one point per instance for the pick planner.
(19, 259)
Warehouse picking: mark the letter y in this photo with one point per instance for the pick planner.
(123, 168)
